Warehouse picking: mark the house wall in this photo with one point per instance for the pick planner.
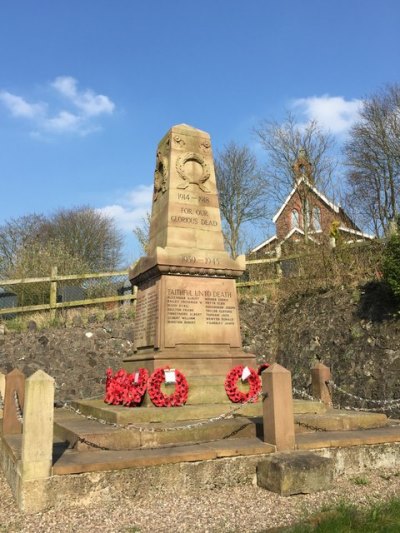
(284, 222)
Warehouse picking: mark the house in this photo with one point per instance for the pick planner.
(307, 214)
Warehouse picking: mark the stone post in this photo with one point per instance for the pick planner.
(320, 374)
(2, 391)
(15, 382)
(278, 414)
(37, 437)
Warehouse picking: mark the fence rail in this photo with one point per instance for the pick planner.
(270, 276)
(53, 280)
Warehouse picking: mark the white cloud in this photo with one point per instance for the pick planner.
(333, 113)
(19, 107)
(90, 103)
(129, 210)
(64, 121)
(86, 107)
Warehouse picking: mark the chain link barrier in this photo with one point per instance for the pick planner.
(148, 429)
(385, 405)
(20, 414)
(305, 395)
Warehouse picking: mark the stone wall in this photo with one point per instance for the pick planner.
(356, 332)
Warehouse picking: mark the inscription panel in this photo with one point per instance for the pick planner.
(201, 311)
(146, 316)
(194, 216)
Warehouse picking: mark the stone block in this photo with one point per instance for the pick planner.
(295, 473)
(37, 436)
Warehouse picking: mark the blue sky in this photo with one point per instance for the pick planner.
(88, 88)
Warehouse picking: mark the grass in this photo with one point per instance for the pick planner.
(360, 481)
(381, 517)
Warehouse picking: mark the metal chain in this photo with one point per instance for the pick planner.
(1, 401)
(305, 394)
(372, 409)
(20, 415)
(378, 402)
(148, 429)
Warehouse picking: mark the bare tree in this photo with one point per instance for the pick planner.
(82, 232)
(142, 232)
(287, 143)
(242, 193)
(373, 160)
(16, 234)
(88, 234)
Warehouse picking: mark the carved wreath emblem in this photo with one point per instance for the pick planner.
(200, 181)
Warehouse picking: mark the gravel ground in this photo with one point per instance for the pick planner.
(232, 509)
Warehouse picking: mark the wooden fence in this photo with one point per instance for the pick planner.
(272, 278)
(54, 279)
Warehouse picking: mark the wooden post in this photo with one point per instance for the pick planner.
(37, 436)
(53, 292)
(320, 375)
(278, 416)
(15, 383)
(278, 250)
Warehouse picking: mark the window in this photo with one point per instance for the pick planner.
(316, 219)
(295, 222)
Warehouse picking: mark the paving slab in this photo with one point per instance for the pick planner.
(331, 439)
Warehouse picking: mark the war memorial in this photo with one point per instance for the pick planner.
(224, 429)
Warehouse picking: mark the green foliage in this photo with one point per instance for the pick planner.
(391, 262)
(36, 260)
(360, 481)
(349, 519)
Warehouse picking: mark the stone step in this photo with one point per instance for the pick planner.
(125, 415)
(76, 462)
(337, 420)
(82, 433)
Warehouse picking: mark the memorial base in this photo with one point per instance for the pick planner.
(204, 388)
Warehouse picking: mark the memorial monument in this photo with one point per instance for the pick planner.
(187, 311)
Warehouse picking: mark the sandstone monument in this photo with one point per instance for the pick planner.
(187, 311)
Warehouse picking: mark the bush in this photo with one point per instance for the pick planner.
(36, 260)
(391, 262)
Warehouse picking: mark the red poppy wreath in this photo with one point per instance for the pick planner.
(176, 398)
(125, 389)
(234, 394)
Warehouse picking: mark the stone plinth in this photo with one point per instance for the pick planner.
(295, 473)
(187, 311)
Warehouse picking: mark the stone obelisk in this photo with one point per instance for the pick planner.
(187, 311)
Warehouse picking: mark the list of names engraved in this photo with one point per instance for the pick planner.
(146, 316)
(200, 311)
